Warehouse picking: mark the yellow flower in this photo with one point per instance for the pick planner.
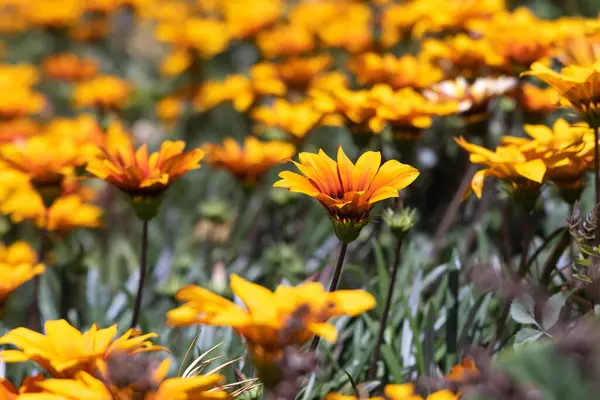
(45, 159)
(144, 177)
(105, 91)
(472, 98)
(466, 369)
(271, 321)
(29, 385)
(462, 55)
(245, 18)
(403, 391)
(536, 100)
(398, 72)
(169, 109)
(69, 67)
(18, 98)
(18, 75)
(335, 32)
(236, 89)
(507, 163)
(579, 50)
(86, 29)
(63, 350)
(579, 87)
(18, 264)
(250, 162)
(176, 62)
(285, 41)
(17, 129)
(84, 385)
(297, 73)
(346, 190)
(208, 37)
(53, 13)
(297, 119)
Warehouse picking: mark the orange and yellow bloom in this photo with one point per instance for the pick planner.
(106, 91)
(249, 162)
(18, 264)
(348, 191)
(271, 321)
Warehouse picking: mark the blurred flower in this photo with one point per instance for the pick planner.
(405, 391)
(285, 41)
(208, 37)
(69, 67)
(236, 89)
(271, 321)
(335, 32)
(507, 163)
(19, 99)
(567, 150)
(29, 385)
(17, 129)
(297, 73)
(346, 190)
(53, 13)
(200, 387)
(246, 18)
(467, 368)
(169, 109)
(398, 72)
(250, 162)
(579, 50)
(96, 27)
(106, 91)
(474, 98)
(143, 177)
(462, 55)
(43, 167)
(535, 100)
(18, 264)
(297, 119)
(22, 75)
(579, 87)
(64, 351)
(176, 62)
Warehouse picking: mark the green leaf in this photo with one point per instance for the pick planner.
(526, 335)
(552, 310)
(522, 310)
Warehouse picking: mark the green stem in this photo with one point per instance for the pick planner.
(143, 272)
(333, 286)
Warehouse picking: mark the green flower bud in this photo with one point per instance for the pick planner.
(400, 221)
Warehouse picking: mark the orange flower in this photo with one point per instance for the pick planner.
(29, 385)
(536, 100)
(169, 109)
(236, 89)
(18, 98)
(466, 369)
(271, 321)
(53, 13)
(109, 92)
(398, 72)
(245, 18)
(145, 178)
(297, 119)
(208, 37)
(285, 41)
(250, 162)
(297, 73)
(63, 350)
(69, 67)
(346, 190)
(17, 130)
(18, 264)
(335, 32)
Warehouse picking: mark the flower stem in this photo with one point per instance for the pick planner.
(143, 271)
(34, 310)
(597, 182)
(333, 286)
(386, 311)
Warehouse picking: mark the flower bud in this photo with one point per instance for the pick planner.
(400, 221)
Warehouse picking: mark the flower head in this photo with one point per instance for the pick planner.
(144, 177)
(246, 18)
(69, 67)
(207, 37)
(348, 191)
(579, 87)
(63, 350)
(285, 41)
(109, 92)
(405, 391)
(250, 162)
(271, 321)
(18, 264)
(536, 100)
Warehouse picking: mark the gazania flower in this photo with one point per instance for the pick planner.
(467, 368)
(582, 50)
(69, 67)
(145, 178)
(29, 385)
(109, 92)
(250, 162)
(462, 55)
(43, 167)
(246, 18)
(335, 32)
(271, 321)
(169, 109)
(236, 89)
(346, 190)
(19, 101)
(207, 37)
(536, 100)
(405, 391)
(22, 75)
(177, 62)
(579, 87)
(297, 73)
(18, 264)
(53, 13)
(473, 99)
(507, 163)
(17, 130)
(398, 72)
(297, 119)
(63, 350)
(201, 387)
(285, 41)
